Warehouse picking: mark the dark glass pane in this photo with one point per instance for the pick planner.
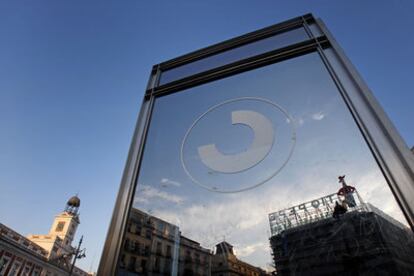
(261, 172)
(249, 50)
(315, 30)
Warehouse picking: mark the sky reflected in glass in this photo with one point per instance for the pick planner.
(313, 141)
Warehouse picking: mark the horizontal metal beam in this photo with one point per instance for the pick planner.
(235, 42)
(281, 54)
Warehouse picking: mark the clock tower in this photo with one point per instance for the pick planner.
(66, 223)
(58, 242)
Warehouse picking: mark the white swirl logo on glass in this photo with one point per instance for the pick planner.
(238, 144)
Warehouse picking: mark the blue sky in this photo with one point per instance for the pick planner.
(72, 77)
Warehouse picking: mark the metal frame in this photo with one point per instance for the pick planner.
(391, 153)
(388, 148)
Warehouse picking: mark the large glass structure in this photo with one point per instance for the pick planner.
(263, 155)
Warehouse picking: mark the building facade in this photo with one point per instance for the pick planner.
(194, 259)
(156, 247)
(359, 241)
(225, 263)
(42, 255)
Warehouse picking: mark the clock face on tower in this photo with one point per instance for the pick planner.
(60, 225)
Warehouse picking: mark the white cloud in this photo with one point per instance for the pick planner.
(139, 199)
(148, 192)
(165, 182)
(318, 116)
(210, 224)
(244, 251)
(377, 192)
(298, 121)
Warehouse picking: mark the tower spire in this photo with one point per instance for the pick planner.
(72, 206)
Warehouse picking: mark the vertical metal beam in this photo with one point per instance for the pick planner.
(111, 250)
(389, 149)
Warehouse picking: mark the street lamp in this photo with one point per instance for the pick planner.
(78, 254)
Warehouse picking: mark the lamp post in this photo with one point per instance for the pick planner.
(79, 254)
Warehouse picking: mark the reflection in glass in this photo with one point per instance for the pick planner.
(339, 233)
(316, 31)
(154, 246)
(327, 211)
(255, 48)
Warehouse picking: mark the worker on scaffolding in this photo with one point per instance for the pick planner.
(347, 192)
(339, 209)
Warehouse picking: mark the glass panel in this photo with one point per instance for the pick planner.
(259, 47)
(315, 30)
(259, 173)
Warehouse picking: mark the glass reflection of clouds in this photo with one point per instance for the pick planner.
(328, 144)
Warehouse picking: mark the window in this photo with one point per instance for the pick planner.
(26, 270)
(188, 256)
(3, 264)
(160, 226)
(144, 265)
(36, 272)
(60, 226)
(122, 261)
(126, 244)
(159, 248)
(131, 264)
(167, 266)
(14, 268)
(157, 264)
(137, 247)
